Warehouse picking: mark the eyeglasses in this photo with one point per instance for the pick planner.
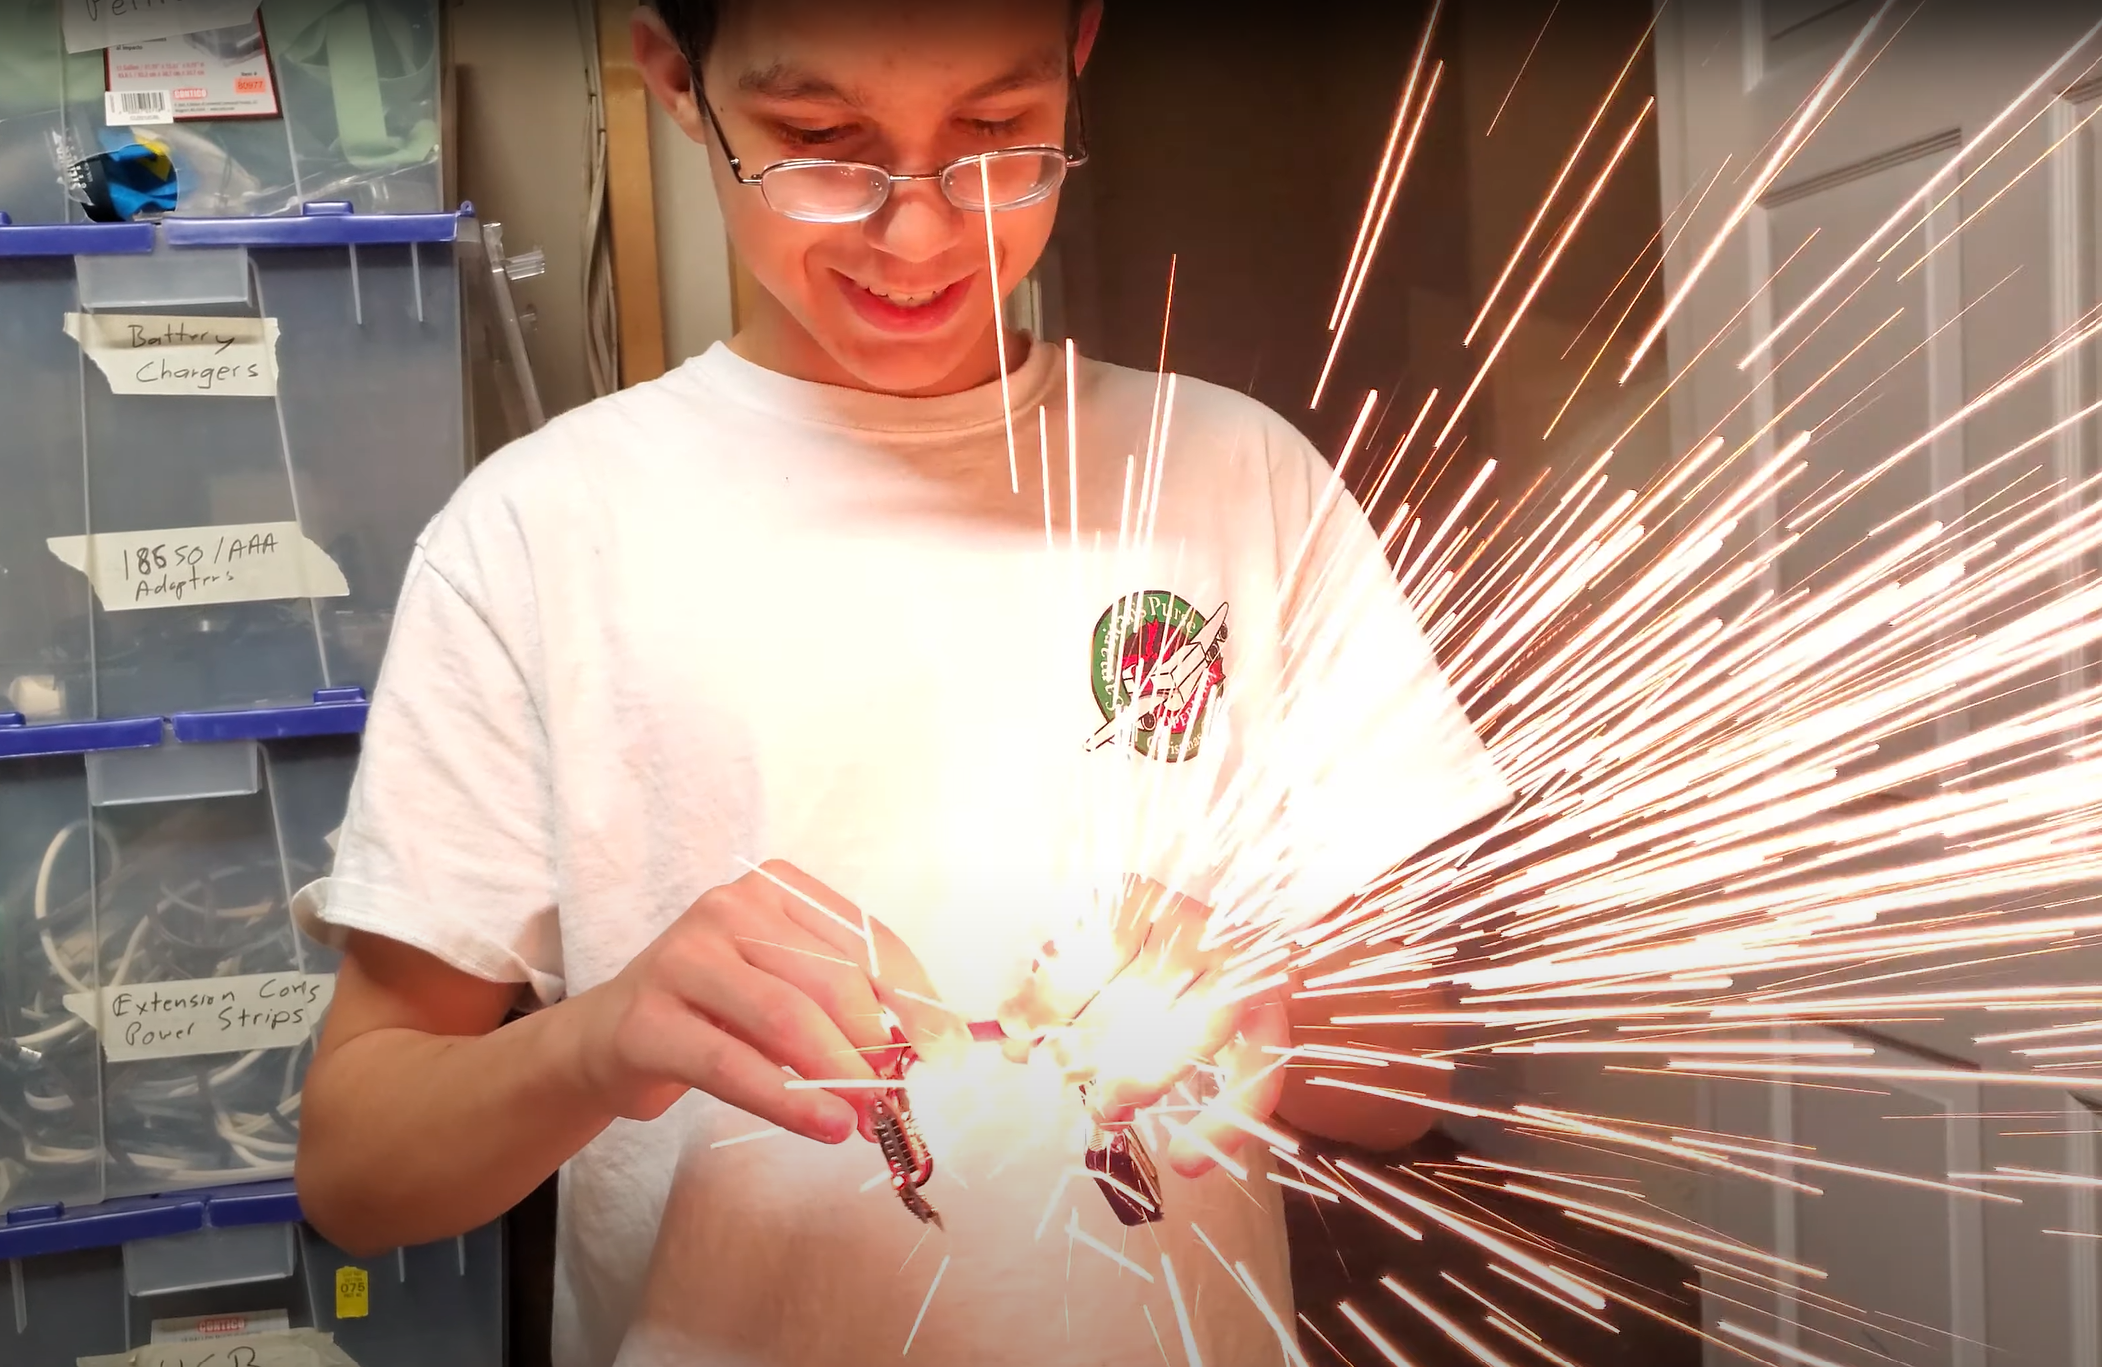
(815, 190)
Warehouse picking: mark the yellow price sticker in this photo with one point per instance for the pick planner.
(353, 1293)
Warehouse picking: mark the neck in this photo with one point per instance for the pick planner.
(772, 337)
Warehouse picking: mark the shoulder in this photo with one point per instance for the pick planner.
(551, 486)
(1209, 423)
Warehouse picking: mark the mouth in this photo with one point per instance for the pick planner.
(901, 311)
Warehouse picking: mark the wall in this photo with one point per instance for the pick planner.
(523, 142)
(1248, 148)
(692, 251)
(521, 148)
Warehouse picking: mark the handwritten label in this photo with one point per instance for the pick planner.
(188, 566)
(353, 1293)
(205, 1015)
(287, 1348)
(159, 353)
(92, 24)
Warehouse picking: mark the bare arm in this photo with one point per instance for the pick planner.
(1378, 1124)
(426, 1115)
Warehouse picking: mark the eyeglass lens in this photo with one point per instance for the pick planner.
(841, 192)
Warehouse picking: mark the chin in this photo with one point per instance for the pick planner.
(901, 366)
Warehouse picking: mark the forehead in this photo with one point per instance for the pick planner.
(876, 52)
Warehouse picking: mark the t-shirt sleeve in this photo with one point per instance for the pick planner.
(448, 844)
(1373, 757)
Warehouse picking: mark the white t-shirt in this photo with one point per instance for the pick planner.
(731, 616)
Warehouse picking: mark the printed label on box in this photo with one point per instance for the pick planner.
(205, 1015)
(161, 353)
(353, 1293)
(251, 562)
(198, 1327)
(222, 73)
(121, 108)
(92, 24)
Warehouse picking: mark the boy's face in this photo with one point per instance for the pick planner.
(903, 301)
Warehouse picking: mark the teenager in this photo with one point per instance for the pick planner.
(734, 717)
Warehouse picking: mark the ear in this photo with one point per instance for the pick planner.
(666, 72)
(1084, 37)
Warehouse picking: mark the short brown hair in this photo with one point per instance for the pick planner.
(694, 22)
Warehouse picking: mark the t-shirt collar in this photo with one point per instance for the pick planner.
(730, 376)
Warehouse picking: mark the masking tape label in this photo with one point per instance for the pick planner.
(205, 1015)
(288, 1348)
(353, 1293)
(92, 24)
(161, 353)
(188, 566)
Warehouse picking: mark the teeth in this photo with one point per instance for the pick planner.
(906, 301)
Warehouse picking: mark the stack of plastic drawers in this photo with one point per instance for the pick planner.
(119, 1277)
(220, 433)
(227, 565)
(357, 82)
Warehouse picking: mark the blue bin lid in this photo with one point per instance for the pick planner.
(332, 223)
(74, 239)
(328, 224)
(32, 1231)
(19, 740)
(333, 712)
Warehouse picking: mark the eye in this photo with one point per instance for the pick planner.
(798, 136)
(994, 128)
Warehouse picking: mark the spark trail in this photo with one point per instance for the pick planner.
(1777, 789)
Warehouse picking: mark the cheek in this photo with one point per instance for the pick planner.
(1022, 236)
(781, 254)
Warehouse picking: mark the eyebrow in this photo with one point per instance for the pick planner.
(789, 83)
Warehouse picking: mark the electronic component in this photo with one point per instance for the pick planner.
(1122, 1167)
(1125, 1172)
(905, 1149)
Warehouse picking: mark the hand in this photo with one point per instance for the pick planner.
(1138, 1009)
(1152, 946)
(1252, 1079)
(769, 972)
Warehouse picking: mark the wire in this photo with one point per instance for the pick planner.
(191, 1125)
(601, 300)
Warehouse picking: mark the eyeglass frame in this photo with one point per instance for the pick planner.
(1073, 159)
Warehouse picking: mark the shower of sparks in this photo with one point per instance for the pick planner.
(1762, 813)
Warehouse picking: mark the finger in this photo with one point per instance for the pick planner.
(895, 973)
(779, 1021)
(902, 983)
(1254, 1080)
(778, 947)
(687, 1049)
(1025, 1016)
(1170, 929)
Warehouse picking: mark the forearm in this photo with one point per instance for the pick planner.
(1376, 1123)
(410, 1137)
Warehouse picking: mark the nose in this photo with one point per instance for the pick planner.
(918, 224)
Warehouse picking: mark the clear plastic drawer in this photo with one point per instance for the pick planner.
(358, 86)
(159, 1003)
(168, 544)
